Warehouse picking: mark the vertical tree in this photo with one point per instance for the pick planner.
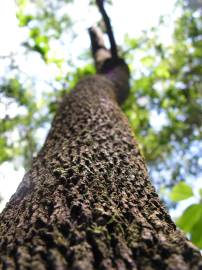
(87, 202)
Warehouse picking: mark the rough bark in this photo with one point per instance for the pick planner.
(87, 202)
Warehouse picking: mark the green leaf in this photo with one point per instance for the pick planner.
(200, 192)
(147, 61)
(24, 19)
(196, 235)
(191, 222)
(190, 217)
(162, 70)
(180, 192)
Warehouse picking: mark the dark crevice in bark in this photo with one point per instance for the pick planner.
(97, 255)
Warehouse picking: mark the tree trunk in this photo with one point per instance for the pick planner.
(87, 202)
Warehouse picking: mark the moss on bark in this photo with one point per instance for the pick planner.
(87, 202)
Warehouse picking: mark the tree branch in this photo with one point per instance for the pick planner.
(100, 4)
(106, 60)
(99, 51)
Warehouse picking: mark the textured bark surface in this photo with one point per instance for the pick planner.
(87, 202)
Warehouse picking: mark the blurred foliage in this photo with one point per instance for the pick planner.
(15, 96)
(164, 106)
(167, 86)
(191, 219)
(47, 20)
(181, 191)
